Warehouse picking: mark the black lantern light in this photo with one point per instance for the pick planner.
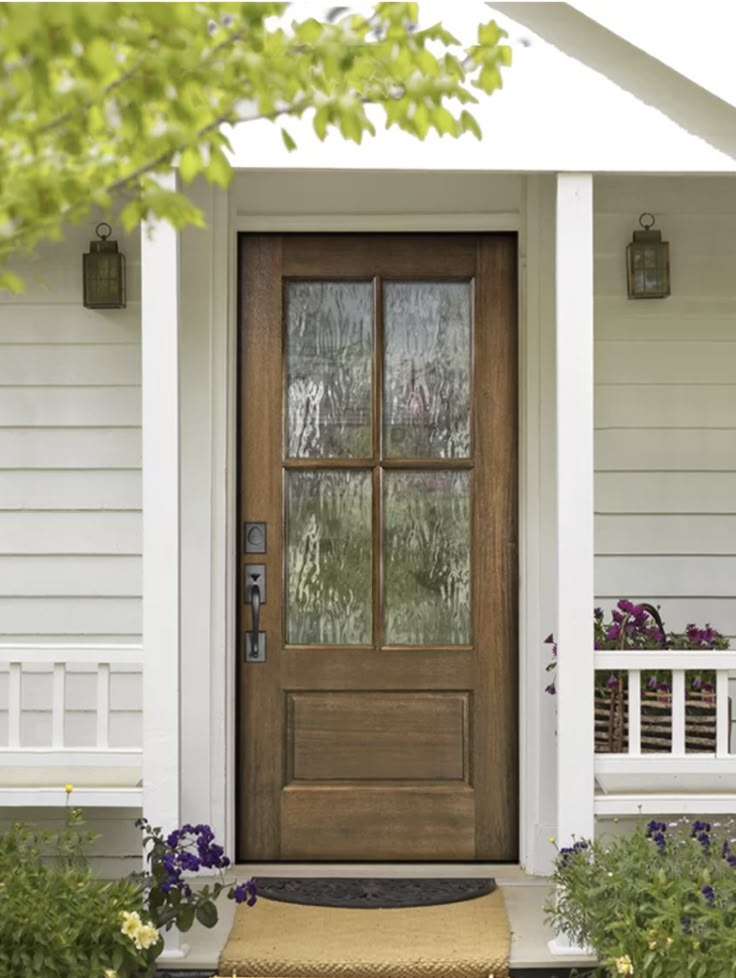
(104, 272)
(648, 262)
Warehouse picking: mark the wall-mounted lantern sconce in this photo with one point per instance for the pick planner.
(648, 262)
(104, 272)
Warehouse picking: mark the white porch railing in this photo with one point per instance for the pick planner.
(37, 759)
(674, 782)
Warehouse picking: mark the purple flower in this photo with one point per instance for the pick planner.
(709, 894)
(626, 606)
(550, 689)
(550, 639)
(612, 682)
(613, 632)
(188, 861)
(244, 893)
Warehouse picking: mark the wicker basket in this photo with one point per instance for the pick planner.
(612, 716)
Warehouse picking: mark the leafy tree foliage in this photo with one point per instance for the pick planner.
(98, 98)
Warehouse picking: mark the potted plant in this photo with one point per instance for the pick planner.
(659, 903)
(640, 626)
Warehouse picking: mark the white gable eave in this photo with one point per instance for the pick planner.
(567, 103)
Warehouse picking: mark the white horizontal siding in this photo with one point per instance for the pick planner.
(664, 533)
(70, 455)
(709, 449)
(36, 576)
(665, 492)
(70, 323)
(67, 532)
(69, 617)
(686, 577)
(70, 407)
(665, 404)
(72, 448)
(662, 405)
(63, 364)
(70, 489)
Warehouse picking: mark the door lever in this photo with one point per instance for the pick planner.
(255, 602)
(255, 640)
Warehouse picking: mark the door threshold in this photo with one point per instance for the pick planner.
(499, 871)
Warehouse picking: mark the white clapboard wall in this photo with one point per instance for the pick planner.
(70, 522)
(665, 404)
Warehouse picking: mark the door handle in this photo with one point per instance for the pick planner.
(255, 602)
(255, 640)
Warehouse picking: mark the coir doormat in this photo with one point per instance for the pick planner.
(465, 937)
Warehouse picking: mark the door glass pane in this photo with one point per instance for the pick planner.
(329, 593)
(426, 558)
(427, 369)
(329, 341)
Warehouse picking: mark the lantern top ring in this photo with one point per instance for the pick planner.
(646, 220)
(105, 235)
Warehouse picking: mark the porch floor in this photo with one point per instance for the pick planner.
(524, 895)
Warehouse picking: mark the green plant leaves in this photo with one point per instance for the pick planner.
(94, 105)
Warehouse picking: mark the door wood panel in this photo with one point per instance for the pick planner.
(377, 751)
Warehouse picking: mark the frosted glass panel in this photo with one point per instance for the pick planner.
(328, 558)
(427, 332)
(329, 343)
(426, 558)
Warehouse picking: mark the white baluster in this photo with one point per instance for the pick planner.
(678, 712)
(634, 712)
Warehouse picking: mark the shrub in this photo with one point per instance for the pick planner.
(660, 903)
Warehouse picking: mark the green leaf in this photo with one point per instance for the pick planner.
(468, 123)
(443, 121)
(490, 34)
(12, 282)
(190, 164)
(185, 917)
(207, 914)
(288, 141)
(218, 169)
(321, 119)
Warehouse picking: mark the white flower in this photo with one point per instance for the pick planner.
(146, 936)
(132, 923)
(110, 973)
(624, 965)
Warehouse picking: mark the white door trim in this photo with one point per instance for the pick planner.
(226, 221)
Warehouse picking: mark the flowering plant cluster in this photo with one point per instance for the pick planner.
(170, 898)
(58, 920)
(638, 626)
(660, 902)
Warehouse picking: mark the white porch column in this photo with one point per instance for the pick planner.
(160, 369)
(574, 317)
(161, 586)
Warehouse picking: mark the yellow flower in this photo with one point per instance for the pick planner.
(68, 788)
(131, 924)
(552, 839)
(110, 973)
(624, 965)
(146, 936)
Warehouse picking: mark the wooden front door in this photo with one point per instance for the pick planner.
(378, 445)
